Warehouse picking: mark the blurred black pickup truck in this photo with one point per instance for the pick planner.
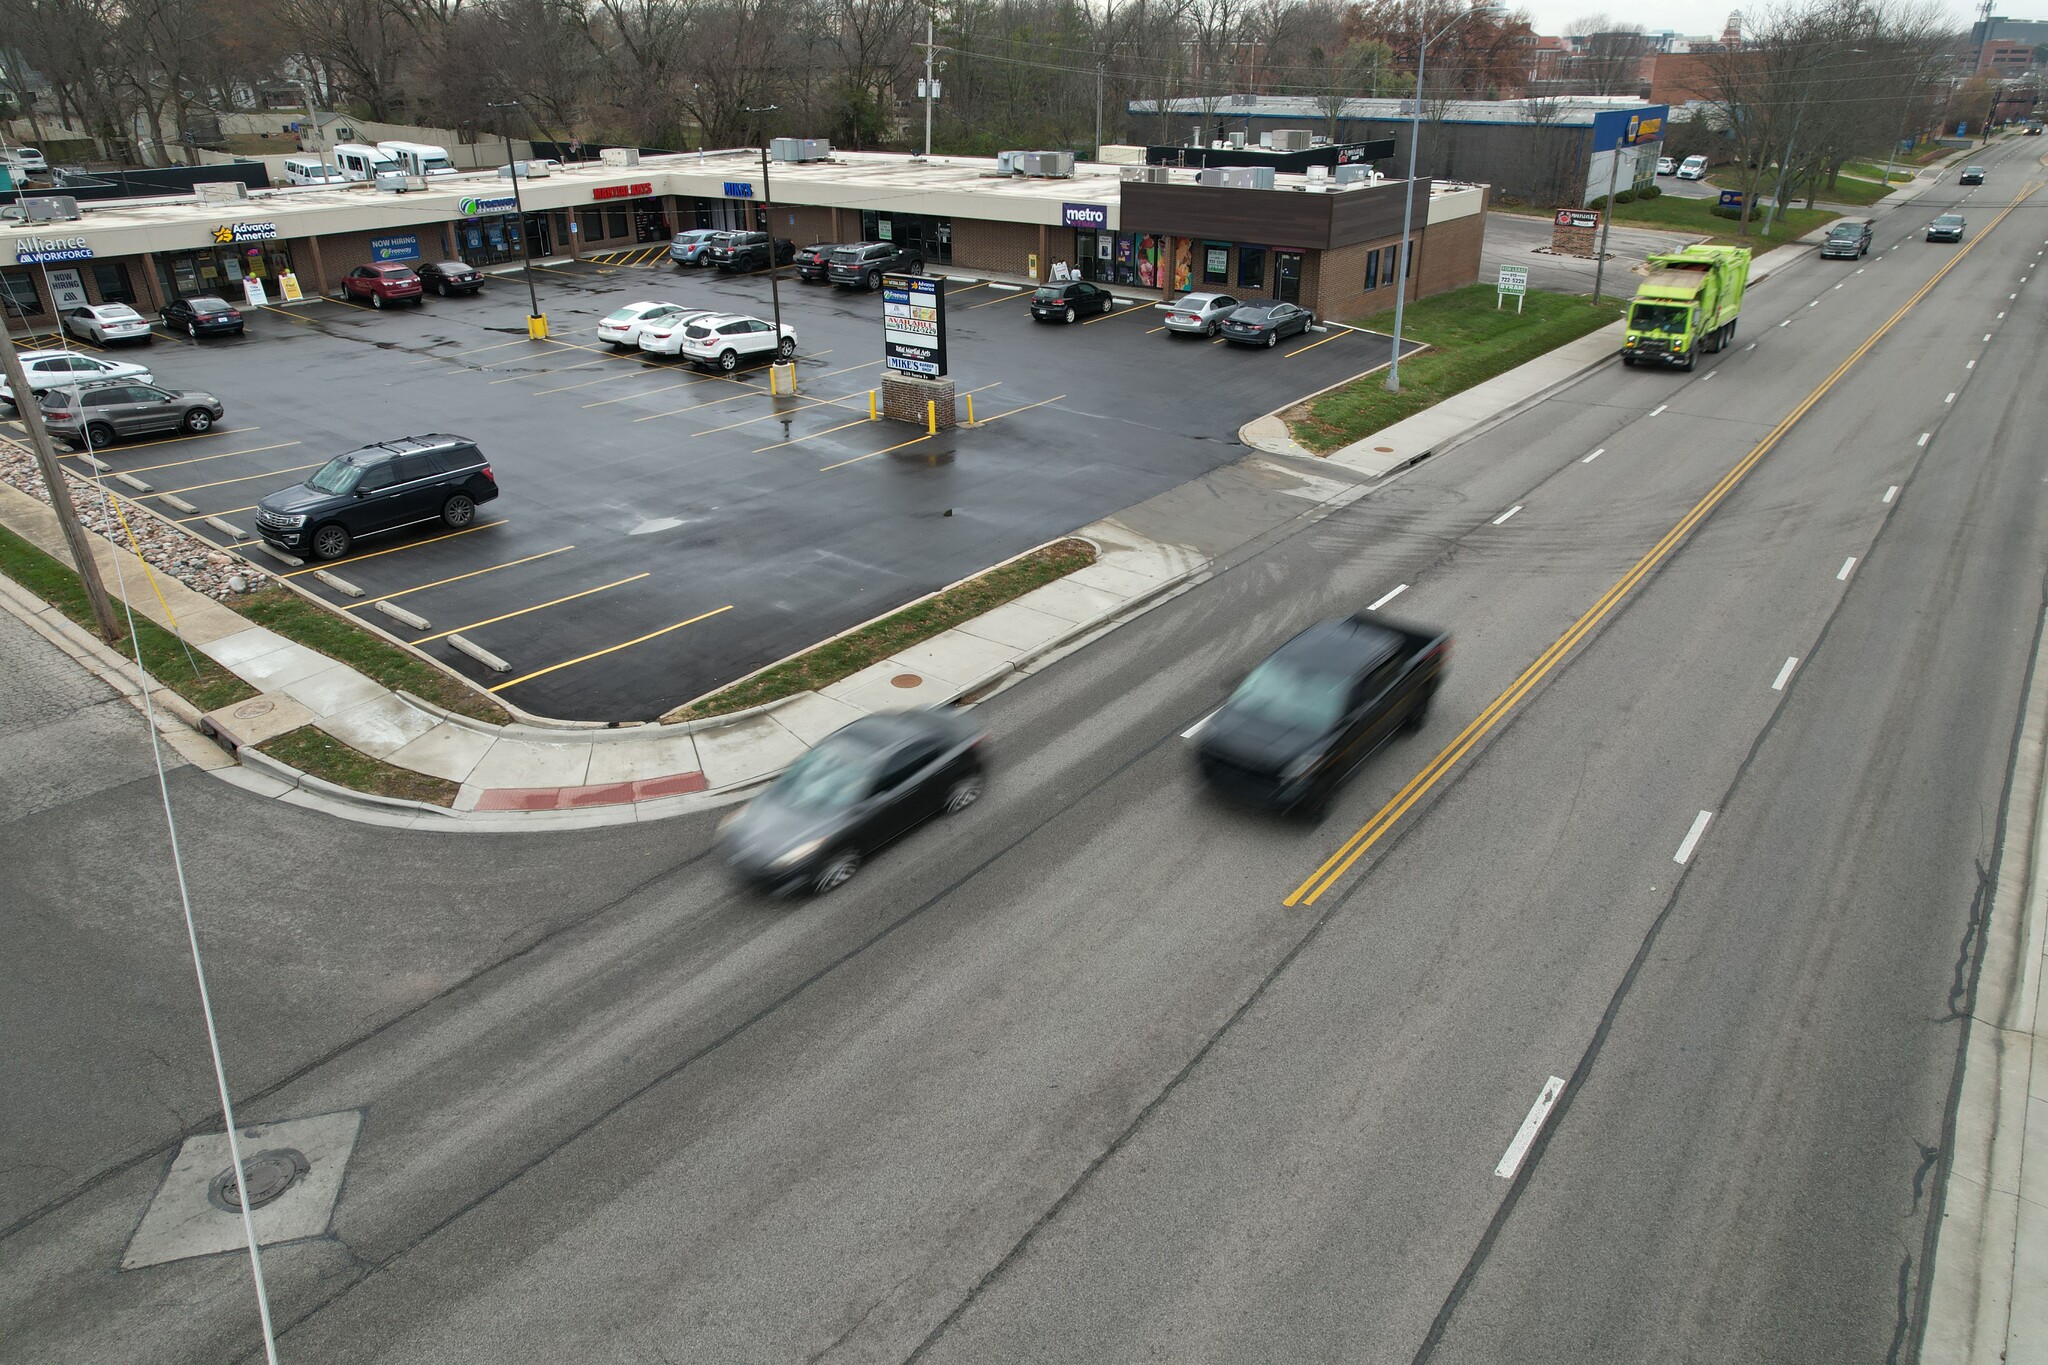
(1305, 719)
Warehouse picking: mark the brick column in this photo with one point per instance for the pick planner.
(904, 397)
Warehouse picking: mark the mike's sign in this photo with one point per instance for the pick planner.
(914, 325)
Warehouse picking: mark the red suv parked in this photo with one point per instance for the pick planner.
(382, 284)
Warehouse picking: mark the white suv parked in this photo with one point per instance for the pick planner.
(722, 341)
(664, 336)
(48, 369)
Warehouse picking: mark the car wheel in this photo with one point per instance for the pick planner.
(1107, 303)
(964, 792)
(458, 511)
(837, 872)
(917, 265)
(331, 541)
(1215, 328)
(1629, 361)
(874, 280)
(787, 348)
(1272, 339)
(99, 434)
(192, 330)
(728, 360)
(376, 300)
(1070, 313)
(198, 419)
(441, 288)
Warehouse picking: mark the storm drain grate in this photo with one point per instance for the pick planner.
(265, 1176)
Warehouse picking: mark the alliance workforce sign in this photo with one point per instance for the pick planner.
(914, 324)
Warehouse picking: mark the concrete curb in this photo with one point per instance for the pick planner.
(333, 792)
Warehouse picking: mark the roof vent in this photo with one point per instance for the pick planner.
(220, 191)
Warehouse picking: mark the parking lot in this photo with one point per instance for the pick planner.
(662, 530)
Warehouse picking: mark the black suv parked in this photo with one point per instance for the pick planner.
(864, 264)
(378, 488)
(813, 261)
(748, 251)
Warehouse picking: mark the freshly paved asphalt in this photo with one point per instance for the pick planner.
(1065, 1078)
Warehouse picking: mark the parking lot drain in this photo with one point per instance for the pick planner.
(401, 614)
(265, 1176)
(480, 654)
(179, 503)
(906, 680)
(338, 583)
(137, 484)
(227, 528)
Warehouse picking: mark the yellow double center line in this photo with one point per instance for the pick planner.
(1356, 847)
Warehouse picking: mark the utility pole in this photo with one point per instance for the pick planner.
(536, 321)
(1606, 218)
(60, 491)
(931, 90)
(1098, 111)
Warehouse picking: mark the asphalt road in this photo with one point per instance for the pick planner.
(640, 494)
(1069, 1078)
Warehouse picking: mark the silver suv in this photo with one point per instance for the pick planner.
(864, 263)
(99, 412)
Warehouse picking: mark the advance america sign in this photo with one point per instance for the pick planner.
(914, 324)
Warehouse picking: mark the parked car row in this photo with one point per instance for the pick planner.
(852, 264)
(1253, 322)
(703, 336)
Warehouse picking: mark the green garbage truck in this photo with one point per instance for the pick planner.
(1686, 305)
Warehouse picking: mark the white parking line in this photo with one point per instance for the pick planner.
(1839, 286)
(1692, 837)
(1987, 335)
(1659, 408)
(1815, 303)
(1708, 375)
(1398, 590)
(1784, 674)
(1971, 366)
(1594, 456)
(1890, 493)
(1505, 515)
(1786, 323)
(2001, 317)
(1750, 347)
(1950, 399)
(1923, 437)
(1847, 565)
(1196, 728)
(1526, 1134)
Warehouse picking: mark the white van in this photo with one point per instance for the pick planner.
(359, 162)
(1694, 168)
(26, 159)
(311, 170)
(419, 158)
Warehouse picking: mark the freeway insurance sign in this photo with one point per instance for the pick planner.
(1514, 279)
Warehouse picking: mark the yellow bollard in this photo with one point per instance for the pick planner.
(774, 373)
(931, 417)
(537, 326)
(970, 409)
(872, 414)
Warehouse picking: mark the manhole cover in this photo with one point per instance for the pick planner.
(254, 707)
(265, 1176)
(906, 680)
(1384, 450)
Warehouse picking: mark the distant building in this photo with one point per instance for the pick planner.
(2004, 58)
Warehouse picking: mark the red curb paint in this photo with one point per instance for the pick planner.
(606, 794)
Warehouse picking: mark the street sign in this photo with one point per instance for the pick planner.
(1514, 279)
(1588, 219)
(914, 324)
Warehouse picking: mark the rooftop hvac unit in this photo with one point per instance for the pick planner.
(1237, 137)
(220, 191)
(1353, 175)
(1049, 165)
(1237, 177)
(1318, 174)
(1212, 176)
(1292, 139)
(1148, 175)
(51, 208)
(782, 148)
(1006, 162)
(814, 149)
(620, 156)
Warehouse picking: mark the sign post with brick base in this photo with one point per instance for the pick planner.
(1575, 232)
(915, 398)
(914, 386)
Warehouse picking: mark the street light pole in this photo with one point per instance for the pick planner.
(60, 491)
(782, 372)
(1606, 218)
(1408, 200)
(536, 321)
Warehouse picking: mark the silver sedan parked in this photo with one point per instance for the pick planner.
(1198, 314)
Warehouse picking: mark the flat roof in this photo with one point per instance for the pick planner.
(1571, 111)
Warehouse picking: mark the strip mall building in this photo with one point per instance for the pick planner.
(1330, 247)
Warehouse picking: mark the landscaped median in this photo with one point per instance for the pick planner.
(1472, 340)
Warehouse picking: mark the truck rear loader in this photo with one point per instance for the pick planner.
(1687, 304)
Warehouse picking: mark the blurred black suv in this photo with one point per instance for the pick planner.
(748, 251)
(381, 487)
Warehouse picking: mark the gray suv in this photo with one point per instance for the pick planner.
(864, 263)
(99, 412)
(381, 487)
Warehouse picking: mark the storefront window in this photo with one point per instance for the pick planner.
(1287, 276)
(1251, 267)
(615, 223)
(113, 283)
(1215, 263)
(488, 241)
(931, 238)
(18, 293)
(220, 269)
(1372, 268)
(589, 225)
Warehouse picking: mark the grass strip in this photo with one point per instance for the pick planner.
(1697, 215)
(1874, 170)
(877, 640)
(313, 751)
(163, 655)
(1474, 341)
(338, 637)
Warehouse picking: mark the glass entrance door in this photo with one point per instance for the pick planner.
(539, 235)
(1287, 276)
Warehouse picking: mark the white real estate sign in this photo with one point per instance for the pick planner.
(1514, 279)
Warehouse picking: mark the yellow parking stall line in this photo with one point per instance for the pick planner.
(456, 578)
(1160, 328)
(613, 649)
(655, 253)
(601, 379)
(872, 453)
(409, 545)
(267, 474)
(709, 402)
(557, 270)
(286, 315)
(542, 606)
(1004, 299)
(1134, 311)
(176, 440)
(858, 421)
(1334, 336)
(784, 412)
(201, 459)
(965, 288)
(204, 515)
(1026, 408)
(629, 397)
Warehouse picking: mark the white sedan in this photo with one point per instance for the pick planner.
(623, 328)
(665, 335)
(104, 322)
(48, 369)
(722, 340)
(1667, 165)
(1198, 314)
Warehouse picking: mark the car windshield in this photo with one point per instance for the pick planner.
(338, 475)
(209, 305)
(1846, 230)
(1657, 317)
(1948, 220)
(1281, 693)
(119, 312)
(831, 776)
